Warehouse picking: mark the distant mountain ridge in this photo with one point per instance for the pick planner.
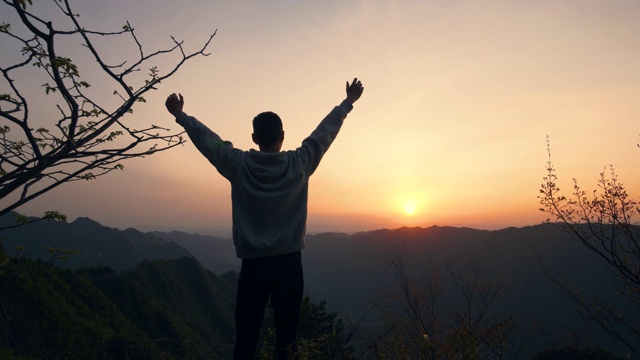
(216, 254)
(97, 245)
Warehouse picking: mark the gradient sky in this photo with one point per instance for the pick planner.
(459, 99)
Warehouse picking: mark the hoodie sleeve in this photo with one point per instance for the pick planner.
(314, 146)
(220, 153)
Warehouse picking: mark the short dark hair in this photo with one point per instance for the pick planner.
(267, 128)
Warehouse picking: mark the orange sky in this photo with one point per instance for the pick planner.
(459, 99)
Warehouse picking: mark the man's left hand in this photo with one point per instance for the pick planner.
(174, 104)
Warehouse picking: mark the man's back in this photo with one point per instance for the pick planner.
(269, 191)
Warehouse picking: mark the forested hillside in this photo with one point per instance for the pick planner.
(160, 309)
(149, 312)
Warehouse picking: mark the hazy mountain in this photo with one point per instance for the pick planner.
(217, 255)
(351, 272)
(97, 245)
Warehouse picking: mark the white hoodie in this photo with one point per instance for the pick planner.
(269, 191)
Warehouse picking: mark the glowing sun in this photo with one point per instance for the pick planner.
(410, 204)
(410, 207)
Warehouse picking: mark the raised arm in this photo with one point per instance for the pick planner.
(354, 91)
(220, 153)
(314, 146)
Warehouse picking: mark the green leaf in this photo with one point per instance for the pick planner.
(6, 97)
(66, 65)
(18, 146)
(87, 176)
(23, 3)
(5, 27)
(55, 215)
(22, 219)
(48, 88)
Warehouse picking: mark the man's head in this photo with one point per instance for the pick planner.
(267, 131)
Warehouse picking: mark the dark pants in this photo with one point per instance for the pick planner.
(279, 277)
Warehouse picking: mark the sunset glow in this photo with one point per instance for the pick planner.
(411, 204)
(410, 207)
(459, 99)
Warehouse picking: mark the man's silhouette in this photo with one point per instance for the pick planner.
(269, 191)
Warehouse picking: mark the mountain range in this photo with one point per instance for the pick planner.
(97, 245)
(354, 272)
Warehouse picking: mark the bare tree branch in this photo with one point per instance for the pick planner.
(76, 144)
(605, 224)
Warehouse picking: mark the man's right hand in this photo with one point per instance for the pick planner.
(174, 104)
(354, 90)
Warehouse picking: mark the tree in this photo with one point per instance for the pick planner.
(423, 324)
(86, 135)
(604, 222)
(321, 334)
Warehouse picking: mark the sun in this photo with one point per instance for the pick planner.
(410, 204)
(410, 207)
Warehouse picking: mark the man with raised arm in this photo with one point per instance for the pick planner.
(269, 191)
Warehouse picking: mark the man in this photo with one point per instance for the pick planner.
(269, 191)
